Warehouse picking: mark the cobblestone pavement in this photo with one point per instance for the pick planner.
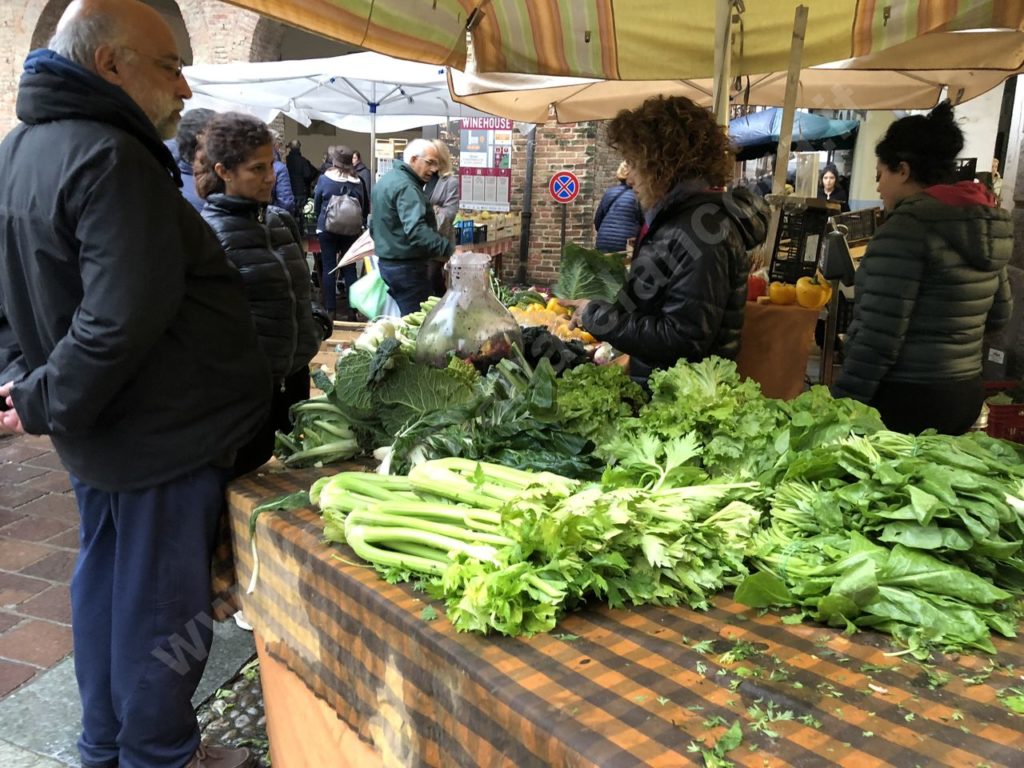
(234, 715)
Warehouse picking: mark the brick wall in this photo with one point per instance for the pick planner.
(582, 149)
(217, 33)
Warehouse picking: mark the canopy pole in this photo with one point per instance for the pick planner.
(796, 52)
(373, 135)
(723, 61)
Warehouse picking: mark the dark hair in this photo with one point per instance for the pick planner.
(341, 158)
(928, 144)
(229, 139)
(192, 124)
(667, 139)
(830, 168)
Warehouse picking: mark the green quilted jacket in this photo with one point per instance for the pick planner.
(931, 284)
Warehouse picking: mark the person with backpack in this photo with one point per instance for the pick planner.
(340, 206)
(618, 217)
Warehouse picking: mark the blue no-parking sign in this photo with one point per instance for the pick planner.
(564, 187)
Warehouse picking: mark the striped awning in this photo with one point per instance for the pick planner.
(628, 39)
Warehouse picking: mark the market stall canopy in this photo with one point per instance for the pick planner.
(627, 39)
(363, 92)
(757, 134)
(914, 75)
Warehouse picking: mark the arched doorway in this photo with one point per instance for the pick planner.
(46, 24)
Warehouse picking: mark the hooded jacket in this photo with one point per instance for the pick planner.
(931, 284)
(263, 243)
(687, 285)
(135, 350)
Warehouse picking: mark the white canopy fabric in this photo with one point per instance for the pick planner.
(362, 92)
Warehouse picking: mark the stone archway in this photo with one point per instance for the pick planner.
(266, 40)
(46, 23)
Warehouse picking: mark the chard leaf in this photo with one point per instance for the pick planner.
(763, 590)
(931, 536)
(907, 568)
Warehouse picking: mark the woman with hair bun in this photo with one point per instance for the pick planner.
(931, 284)
(234, 169)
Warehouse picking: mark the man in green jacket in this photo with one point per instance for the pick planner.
(403, 226)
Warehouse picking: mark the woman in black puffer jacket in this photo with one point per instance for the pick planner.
(234, 171)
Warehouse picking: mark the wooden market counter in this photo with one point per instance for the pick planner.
(345, 654)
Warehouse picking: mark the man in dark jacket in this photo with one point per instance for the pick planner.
(404, 228)
(133, 349)
(183, 150)
(301, 174)
(364, 175)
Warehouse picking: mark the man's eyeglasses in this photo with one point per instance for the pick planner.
(171, 65)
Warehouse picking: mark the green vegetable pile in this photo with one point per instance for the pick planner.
(919, 537)
(808, 504)
(509, 551)
(518, 415)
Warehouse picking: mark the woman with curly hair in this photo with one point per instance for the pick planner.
(931, 284)
(687, 286)
(234, 170)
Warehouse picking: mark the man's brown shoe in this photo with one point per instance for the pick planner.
(220, 757)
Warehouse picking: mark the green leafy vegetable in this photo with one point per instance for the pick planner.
(585, 273)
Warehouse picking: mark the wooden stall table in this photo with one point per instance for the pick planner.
(348, 654)
(775, 344)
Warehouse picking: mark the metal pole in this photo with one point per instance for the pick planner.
(373, 134)
(723, 61)
(565, 213)
(524, 233)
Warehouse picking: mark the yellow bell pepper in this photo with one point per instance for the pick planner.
(812, 294)
(554, 306)
(782, 293)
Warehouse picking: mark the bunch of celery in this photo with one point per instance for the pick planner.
(510, 550)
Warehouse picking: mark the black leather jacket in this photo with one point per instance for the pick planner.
(687, 285)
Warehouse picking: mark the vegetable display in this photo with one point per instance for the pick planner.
(808, 504)
(509, 551)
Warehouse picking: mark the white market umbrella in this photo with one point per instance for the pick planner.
(363, 92)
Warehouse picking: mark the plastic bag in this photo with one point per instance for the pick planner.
(369, 294)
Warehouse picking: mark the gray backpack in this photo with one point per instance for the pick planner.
(344, 215)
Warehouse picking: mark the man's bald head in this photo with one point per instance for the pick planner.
(88, 24)
(128, 44)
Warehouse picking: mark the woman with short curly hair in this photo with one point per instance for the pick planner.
(234, 169)
(687, 285)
